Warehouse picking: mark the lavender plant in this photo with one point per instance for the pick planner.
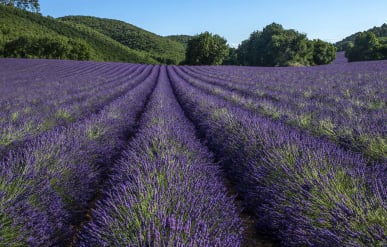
(57, 104)
(304, 190)
(345, 103)
(305, 148)
(48, 184)
(164, 191)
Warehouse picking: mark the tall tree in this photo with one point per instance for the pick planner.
(206, 49)
(32, 5)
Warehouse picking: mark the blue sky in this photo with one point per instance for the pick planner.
(330, 20)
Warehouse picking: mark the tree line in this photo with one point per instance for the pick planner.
(380, 32)
(273, 46)
(276, 46)
(366, 46)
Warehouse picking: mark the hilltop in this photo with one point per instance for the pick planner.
(160, 48)
(105, 39)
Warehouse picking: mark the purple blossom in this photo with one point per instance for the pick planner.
(110, 154)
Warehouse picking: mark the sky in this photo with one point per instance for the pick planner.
(329, 20)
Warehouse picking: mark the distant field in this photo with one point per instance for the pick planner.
(115, 154)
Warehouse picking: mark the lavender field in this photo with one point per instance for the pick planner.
(114, 154)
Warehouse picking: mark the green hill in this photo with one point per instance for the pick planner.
(182, 39)
(16, 23)
(162, 49)
(380, 32)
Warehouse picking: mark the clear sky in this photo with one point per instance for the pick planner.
(330, 20)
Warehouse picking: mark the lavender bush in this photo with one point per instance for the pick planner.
(344, 102)
(53, 178)
(303, 189)
(53, 101)
(107, 154)
(164, 191)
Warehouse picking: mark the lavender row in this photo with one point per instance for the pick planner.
(33, 119)
(44, 77)
(328, 100)
(165, 190)
(29, 88)
(302, 189)
(45, 87)
(46, 187)
(302, 103)
(47, 81)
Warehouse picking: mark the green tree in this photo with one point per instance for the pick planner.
(383, 51)
(255, 49)
(243, 52)
(276, 46)
(365, 47)
(380, 32)
(79, 50)
(47, 47)
(206, 49)
(289, 48)
(323, 52)
(32, 5)
(232, 58)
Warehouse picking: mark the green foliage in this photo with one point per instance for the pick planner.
(380, 32)
(207, 49)
(323, 52)
(47, 47)
(182, 39)
(276, 46)
(243, 55)
(366, 46)
(15, 23)
(232, 57)
(80, 50)
(162, 49)
(383, 40)
(32, 5)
